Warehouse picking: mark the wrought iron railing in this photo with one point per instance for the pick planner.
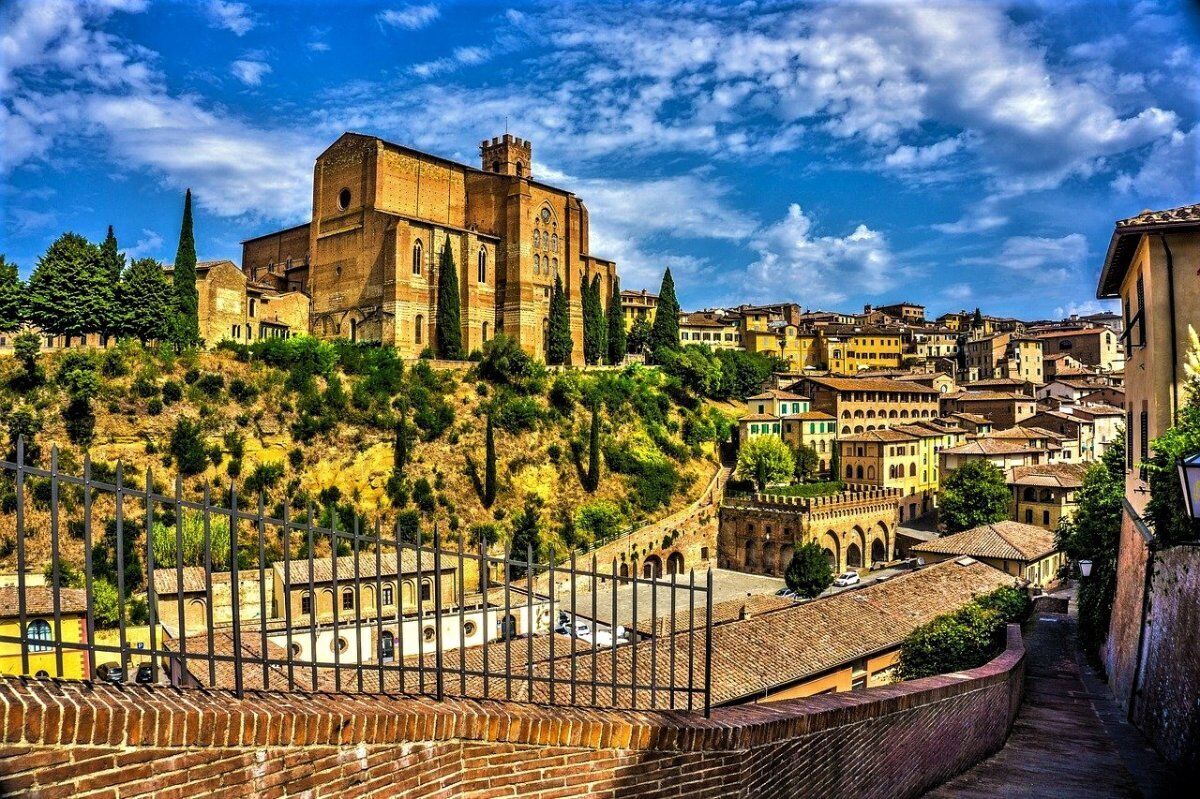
(381, 613)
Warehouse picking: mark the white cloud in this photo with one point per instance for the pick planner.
(410, 17)
(1084, 308)
(250, 71)
(1169, 173)
(794, 264)
(147, 245)
(233, 17)
(972, 222)
(318, 47)
(23, 221)
(462, 56)
(909, 157)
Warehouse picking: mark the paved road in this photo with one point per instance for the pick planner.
(1063, 744)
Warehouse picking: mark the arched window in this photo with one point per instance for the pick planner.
(554, 242)
(554, 266)
(495, 166)
(537, 264)
(426, 590)
(38, 630)
(912, 470)
(859, 473)
(389, 596)
(348, 599)
(418, 257)
(482, 277)
(537, 238)
(344, 199)
(418, 329)
(306, 603)
(1030, 495)
(520, 169)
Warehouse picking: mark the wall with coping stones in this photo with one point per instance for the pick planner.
(89, 741)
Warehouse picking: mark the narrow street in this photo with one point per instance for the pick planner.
(1070, 740)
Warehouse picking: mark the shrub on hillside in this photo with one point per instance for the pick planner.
(187, 447)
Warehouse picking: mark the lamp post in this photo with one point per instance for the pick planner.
(1085, 568)
(1189, 478)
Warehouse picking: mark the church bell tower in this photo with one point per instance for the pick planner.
(507, 155)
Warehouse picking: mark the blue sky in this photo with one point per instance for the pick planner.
(956, 154)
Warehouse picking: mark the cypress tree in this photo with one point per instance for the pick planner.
(400, 450)
(112, 264)
(12, 292)
(449, 316)
(560, 344)
(489, 468)
(592, 347)
(617, 341)
(146, 300)
(187, 299)
(593, 473)
(599, 321)
(68, 293)
(665, 333)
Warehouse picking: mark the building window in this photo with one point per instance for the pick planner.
(387, 647)
(388, 595)
(482, 277)
(495, 166)
(418, 256)
(39, 631)
(469, 628)
(253, 307)
(429, 633)
(418, 327)
(1045, 517)
(341, 645)
(344, 199)
(426, 590)
(306, 603)
(348, 599)
(485, 331)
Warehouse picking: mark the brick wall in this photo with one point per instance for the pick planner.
(74, 739)
(1124, 629)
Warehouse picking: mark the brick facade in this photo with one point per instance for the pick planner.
(89, 741)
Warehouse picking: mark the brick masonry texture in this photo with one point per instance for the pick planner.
(81, 740)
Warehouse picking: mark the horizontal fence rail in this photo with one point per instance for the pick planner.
(194, 592)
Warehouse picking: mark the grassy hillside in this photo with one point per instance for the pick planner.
(318, 422)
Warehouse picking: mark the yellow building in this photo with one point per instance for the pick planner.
(637, 305)
(1044, 495)
(43, 659)
(868, 403)
(777, 403)
(815, 429)
(1022, 550)
(711, 328)
(801, 350)
(851, 349)
(902, 458)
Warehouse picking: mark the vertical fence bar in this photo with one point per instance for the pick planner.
(400, 605)
(691, 637)
(574, 621)
(337, 598)
(286, 541)
(483, 591)
(420, 600)
(653, 639)
(122, 635)
(21, 614)
(462, 600)
(708, 601)
(379, 606)
(595, 622)
(358, 595)
(530, 621)
(235, 590)
(633, 671)
(183, 655)
(439, 676)
(90, 618)
(312, 596)
(508, 631)
(208, 589)
(671, 651)
(151, 594)
(553, 601)
(55, 566)
(260, 525)
(612, 634)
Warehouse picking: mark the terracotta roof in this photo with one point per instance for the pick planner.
(971, 417)
(989, 396)
(322, 570)
(775, 393)
(1098, 409)
(883, 434)
(166, 579)
(870, 384)
(39, 600)
(221, 644)
(759, 417)
(989, 446)
(919, 429)
(1064, 475)
(1007, 540)
(1184, 213)
(811, 416)
(1079, 331)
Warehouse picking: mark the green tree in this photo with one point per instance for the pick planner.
(489, 464)
(1167, 509)
(596, 521)
(665, 333)
(400, 449)
(806, 462)
(526, 536)
(191, 540)
(808, 573)
(593, 472)
(1093, 533)
(12, 296)
(112, 265)
(187, 299)
(449, 314)
(147, 302)
(595, 332)
(638, 339)
(974, 494)
(616, 325)
(24, 423)
(559, 346)
(187, 447)
(965, 638)
(26, 347)
(68, 293)
(78, 375)
(765, 460)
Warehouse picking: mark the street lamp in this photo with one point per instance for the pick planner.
(1189, 477)
(1085, 568)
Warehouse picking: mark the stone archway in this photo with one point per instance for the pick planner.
(853, 556)
(785, 557)
(652, 567)
(878, 551)
(675, 563)
(833, 549)
(768, 557)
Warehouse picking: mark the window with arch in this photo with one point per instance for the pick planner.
(418, 328)
(340, 645)
(38, 633)
(418, 257)
(495, 166)
(296, 650)
(344, 199)
(537, 264)
(537, 238)
(520, 169)
(482, 276)
(387, 646)
(554, 266)
(348, 599)
(306, 603)
(389, 596)
(554, 242)
(426, 590)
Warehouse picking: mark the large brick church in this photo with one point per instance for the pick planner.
(381, 215)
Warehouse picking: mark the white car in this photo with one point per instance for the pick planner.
(846, 578)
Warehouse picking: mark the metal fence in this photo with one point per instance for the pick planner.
(381, 613)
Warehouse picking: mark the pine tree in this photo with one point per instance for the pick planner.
(68, 293)
(593, 472)
(489, 465)
(449, 316)
(146, 300)
(187, 299)
(112, 263)
(560, 344)
(617, 341)
(665, 333)
(12, 292)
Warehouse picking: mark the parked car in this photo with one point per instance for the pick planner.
(846, 578)
(111, 672)
(145, 674)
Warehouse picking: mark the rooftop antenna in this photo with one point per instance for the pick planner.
(506, 123)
